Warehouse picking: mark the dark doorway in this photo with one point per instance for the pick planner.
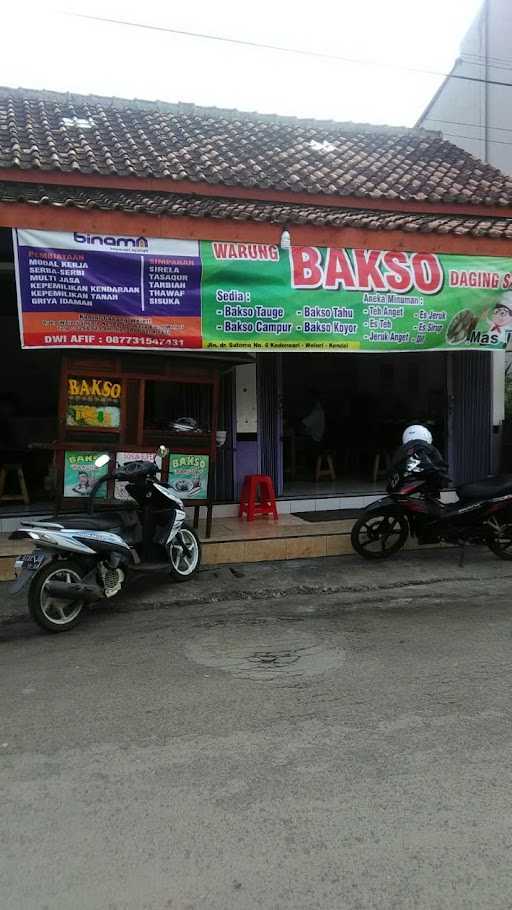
(29, 391)
(368, 400)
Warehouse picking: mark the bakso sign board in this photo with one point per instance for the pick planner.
(139, 293)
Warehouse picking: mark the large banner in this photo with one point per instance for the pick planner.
(138, 293)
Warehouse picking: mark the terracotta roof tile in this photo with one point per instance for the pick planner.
(244, 210)
(51, 131)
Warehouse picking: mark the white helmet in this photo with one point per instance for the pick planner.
(416, 432)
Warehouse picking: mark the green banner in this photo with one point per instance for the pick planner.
(79, 290)
(255, 296)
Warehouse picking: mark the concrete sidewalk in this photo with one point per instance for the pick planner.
(360, 581)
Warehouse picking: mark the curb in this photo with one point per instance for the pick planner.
(275, 593)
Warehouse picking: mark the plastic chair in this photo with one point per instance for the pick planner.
(257, 497)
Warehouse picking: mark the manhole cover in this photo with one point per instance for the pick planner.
(269, 653)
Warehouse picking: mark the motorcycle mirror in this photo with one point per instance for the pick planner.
(163, 451)
(102, 460)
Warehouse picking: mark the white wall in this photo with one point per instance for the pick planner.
(498, 387)
(478, 117)
(246, 402)
(465, 112)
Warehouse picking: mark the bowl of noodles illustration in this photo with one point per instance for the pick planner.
(461, 326)
(183, 485)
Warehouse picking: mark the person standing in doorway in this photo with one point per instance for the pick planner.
(314, 425)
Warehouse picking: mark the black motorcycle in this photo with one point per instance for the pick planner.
(482, 514)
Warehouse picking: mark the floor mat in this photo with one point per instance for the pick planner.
(329, 515)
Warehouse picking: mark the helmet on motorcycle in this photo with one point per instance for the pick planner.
(184, 425)
(416, 433)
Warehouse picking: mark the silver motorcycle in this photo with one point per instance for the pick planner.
(86, 558)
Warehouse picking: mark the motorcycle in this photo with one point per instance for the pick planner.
(482, 515)
(86, 558)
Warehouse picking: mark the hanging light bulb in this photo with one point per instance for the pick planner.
(285, 240)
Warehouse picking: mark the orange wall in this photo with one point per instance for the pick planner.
(52, 218)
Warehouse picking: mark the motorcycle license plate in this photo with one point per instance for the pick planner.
(32, 561)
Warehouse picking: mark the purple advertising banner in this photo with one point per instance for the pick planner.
(102, 291)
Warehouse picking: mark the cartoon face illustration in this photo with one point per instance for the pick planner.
(501, 315)
(84, 484)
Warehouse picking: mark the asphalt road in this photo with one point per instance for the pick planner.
(293, 754)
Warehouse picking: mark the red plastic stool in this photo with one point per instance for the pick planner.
(257, 497)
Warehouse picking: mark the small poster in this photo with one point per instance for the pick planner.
(81, 473)
(188, 475)
(94, 403)
(120, 491)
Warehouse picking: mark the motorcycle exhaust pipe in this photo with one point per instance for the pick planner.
(74, 591)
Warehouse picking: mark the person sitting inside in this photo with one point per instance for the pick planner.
(314, 421)
(313, 425)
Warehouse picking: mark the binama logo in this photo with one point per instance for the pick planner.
(138, 243)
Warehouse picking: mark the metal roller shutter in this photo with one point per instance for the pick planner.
(270, 445)
(470, 385)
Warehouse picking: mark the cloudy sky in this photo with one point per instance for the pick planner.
(48, 46)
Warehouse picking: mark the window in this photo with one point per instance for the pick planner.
(166, 402)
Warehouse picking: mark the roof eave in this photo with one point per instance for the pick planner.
(71, 219)
(189, 187)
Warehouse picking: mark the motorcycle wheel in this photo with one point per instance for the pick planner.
(379, 535)
(502, 546)
(184, 554)
(52, 613)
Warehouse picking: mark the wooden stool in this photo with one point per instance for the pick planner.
(380, 465)
(257, 497)
(376, 467)
(22, 496)
(321, 471)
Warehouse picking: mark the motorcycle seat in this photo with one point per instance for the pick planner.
(91, 523)
(487, 488)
